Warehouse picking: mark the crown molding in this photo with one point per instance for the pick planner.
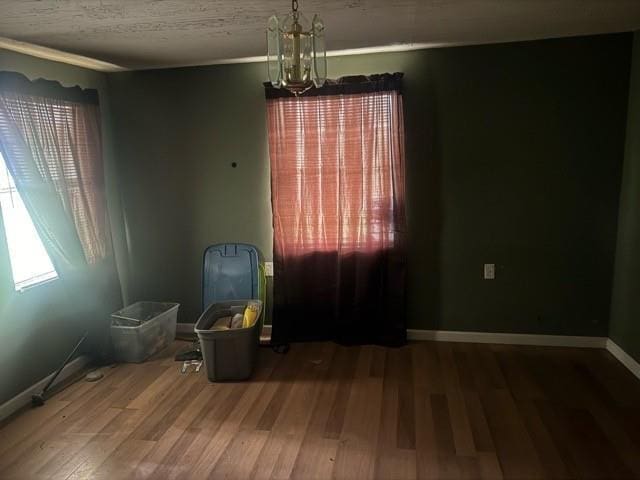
(102, 66)
(399, 47)
(58, 56)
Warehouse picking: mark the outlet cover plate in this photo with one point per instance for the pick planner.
(489, 271)
(268, 269)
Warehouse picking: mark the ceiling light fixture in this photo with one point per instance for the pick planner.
(296, 53)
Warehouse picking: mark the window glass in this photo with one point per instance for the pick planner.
(30, 262)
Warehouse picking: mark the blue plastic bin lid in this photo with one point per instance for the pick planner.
(230, 272)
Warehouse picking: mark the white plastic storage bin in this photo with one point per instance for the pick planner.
(142, 329)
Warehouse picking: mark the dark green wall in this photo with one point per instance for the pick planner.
(514, 157)
(39, 326)
(625, 308)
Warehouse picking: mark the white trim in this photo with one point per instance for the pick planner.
(507, 338)
(623, 357)
(24, 398)
(220, 61)
(101, 66)
(265, 335)
(29, 286)
(393, 48)
(185, 328)
(58, 56)
(398, 47)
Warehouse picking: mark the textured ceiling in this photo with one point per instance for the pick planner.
(160, 33)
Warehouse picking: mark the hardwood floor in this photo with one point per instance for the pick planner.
(427, 410)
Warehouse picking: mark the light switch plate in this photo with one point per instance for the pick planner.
(268, 269)
(489, 271)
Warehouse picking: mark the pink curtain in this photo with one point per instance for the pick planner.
(337, 170)
(51, 140)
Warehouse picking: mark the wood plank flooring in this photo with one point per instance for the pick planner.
(425, 411)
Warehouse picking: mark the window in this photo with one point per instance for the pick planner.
(337, 194)
(30, 262)
(336, 167)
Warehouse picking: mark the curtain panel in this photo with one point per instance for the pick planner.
(337, 176)
(50, 138)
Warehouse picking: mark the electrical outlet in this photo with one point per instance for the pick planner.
(268, 269)
(489, 271)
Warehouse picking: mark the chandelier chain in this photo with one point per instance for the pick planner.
(294, 5)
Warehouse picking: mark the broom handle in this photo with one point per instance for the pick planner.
(75, 349)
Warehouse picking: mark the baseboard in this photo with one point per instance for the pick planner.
(623, 357)
(185, 328)
(508, 338)
(265, 336)
(24, 398)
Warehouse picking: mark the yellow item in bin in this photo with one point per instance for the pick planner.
(250, 315)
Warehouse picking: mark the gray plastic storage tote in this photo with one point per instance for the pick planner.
(228, 354)
(142, 329)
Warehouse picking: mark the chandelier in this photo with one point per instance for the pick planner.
(296, 54)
